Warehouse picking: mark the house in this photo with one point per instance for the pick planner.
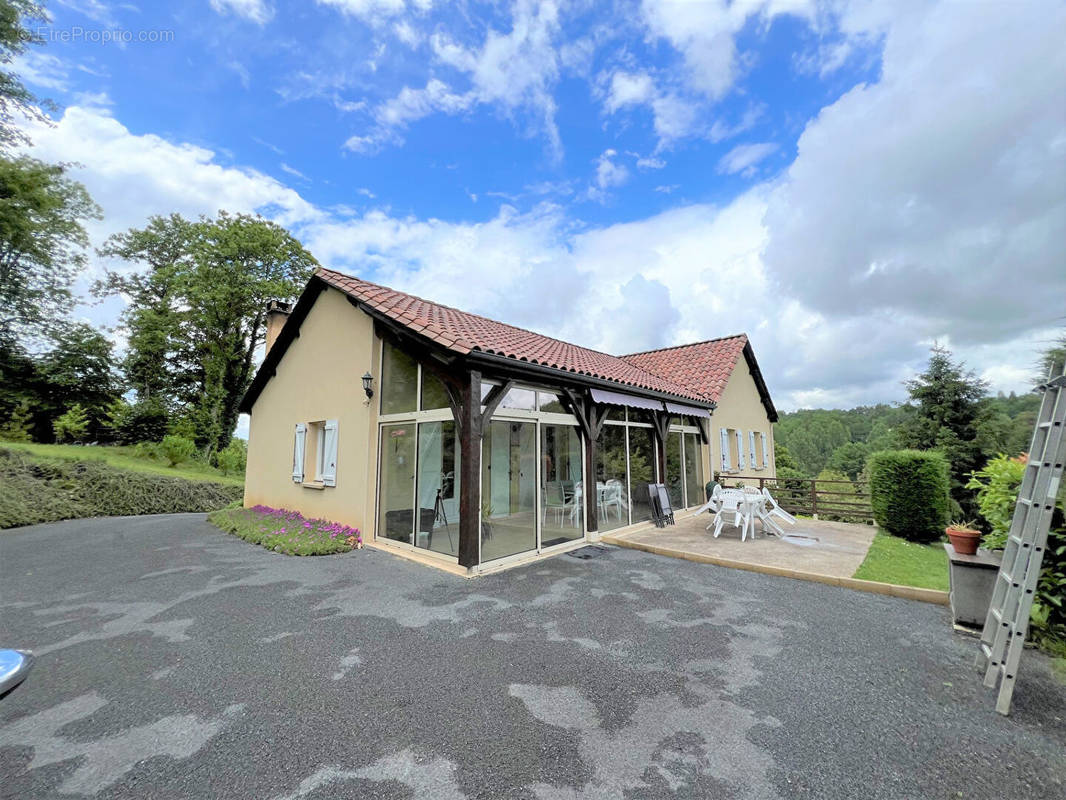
(454, 437)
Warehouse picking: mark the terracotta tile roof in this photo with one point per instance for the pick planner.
(703, 367)
(463, 332)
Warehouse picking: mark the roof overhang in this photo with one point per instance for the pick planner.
(760, 383)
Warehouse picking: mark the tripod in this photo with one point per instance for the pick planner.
(441, 516)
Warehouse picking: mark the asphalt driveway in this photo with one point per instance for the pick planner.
(176, 661)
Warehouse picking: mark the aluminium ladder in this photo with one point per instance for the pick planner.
(1007, 621)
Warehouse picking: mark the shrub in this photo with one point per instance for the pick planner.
(71, 426)
(233, 459)
(35, 490)
(176, 449)
(997, 487)
(909, 493)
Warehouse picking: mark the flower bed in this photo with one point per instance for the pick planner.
(287, 532)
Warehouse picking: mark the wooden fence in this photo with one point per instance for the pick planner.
(846, 501)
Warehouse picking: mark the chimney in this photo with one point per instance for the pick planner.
(277, 313)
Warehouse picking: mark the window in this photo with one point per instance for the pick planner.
(314, 457)
(434, 395)
(399, 381)
(693, 470)
(612, 478)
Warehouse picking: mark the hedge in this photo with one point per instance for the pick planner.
(909, 493)
(34, 490)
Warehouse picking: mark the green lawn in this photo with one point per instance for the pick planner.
(124, 458)
(895, 560)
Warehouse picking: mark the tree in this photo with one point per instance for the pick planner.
(849, 459)
(17, 426)
(15, 99)
(79, 370)
(199, 313)
(42, 239)
(73, 425)
(159, 362)
(949, 401)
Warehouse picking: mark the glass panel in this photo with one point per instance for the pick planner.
(673, 470)
(560, 489)
(641, 416)
(611, 495)
(508, 489)
(399, 377)
(396, 493)
(433, 393)
(485, 389)
(546, 401)
(438, 488)
(641, 471)
(693, 470)
(525, 399)
(616, 413)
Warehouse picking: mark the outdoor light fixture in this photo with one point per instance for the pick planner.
(368, 385)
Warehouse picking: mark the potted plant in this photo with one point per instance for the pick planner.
(964, 537)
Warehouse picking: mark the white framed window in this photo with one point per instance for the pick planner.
(315, 455)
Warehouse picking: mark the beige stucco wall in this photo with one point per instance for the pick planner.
(740, 407)
(319, 378)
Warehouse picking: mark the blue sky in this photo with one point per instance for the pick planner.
(845, 181)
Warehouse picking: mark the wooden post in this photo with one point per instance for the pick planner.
(470, 471)
(814, 498)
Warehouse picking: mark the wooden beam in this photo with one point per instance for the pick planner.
(470, 472)
(493, 399)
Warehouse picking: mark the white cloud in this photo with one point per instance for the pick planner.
(372, 11)
(629, 89)
(392, 116)
(134, 176)
(514, 71)
(257, 11)
(938, 192)
(43, 70)
(608, 173)
(744, 157)
(705, 34)
(650, 162)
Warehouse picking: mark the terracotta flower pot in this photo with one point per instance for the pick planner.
(964, 541)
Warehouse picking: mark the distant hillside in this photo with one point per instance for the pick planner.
(840, 440)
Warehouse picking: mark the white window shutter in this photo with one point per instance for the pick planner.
(765, 452)
(740, 450)
(329, 453)
(298, 453)
(751, 450)
(725, 449)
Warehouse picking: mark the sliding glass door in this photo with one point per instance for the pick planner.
(508, 489)
(561, 515)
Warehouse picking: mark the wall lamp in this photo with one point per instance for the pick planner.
(368, 385)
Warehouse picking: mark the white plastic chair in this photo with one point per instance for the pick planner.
(612, 497)
(770, 509)
(729, 501)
